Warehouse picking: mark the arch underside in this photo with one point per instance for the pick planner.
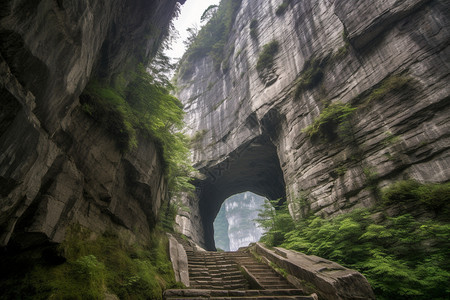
(254, 167)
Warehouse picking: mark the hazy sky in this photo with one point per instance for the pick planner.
(190, 14)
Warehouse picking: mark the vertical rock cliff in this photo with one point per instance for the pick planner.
(235, 224)
(57, 165)
(322, 102)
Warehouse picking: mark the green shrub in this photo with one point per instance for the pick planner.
(275, 220)
(266, 57)
(198, 136)
(434, 196)
(281, 9)
(342, 51)
(401, 257)
(311, 76)
(211, 39)
(394, 83)
(95, 265)
(333, 121)
(145, 106)
(254, 29)
(372, 178)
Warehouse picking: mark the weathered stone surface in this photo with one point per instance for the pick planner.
(364, 21)
(57, 166)
(330, 280)
(179, 260)
(403, 134)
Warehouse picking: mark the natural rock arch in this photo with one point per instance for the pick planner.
(253, 167)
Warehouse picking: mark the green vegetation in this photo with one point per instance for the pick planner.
(266, 57)
(340, 170)
(333, 121)
(197, 137)
(281, 9)
(145, 106)
(209, 13)
(211, 39)
(390, 139)
(254, 29)
(394, 83)
(276, 221)
(342, 51)
(311, 76)
(372, 178)
(94, 265)
(434, 196)
(402, 257)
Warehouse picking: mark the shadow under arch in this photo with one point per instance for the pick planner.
(253, 167)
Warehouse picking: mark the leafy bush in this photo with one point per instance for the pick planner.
(197, 137)
(281, 9)
(333, 121)
(275, 220)
(211, 39)
(394, 83)
(145, 106)
(311, 76)
(253, 29)
(95, 265)
(266, 57)
(400, 256)
(434, 196)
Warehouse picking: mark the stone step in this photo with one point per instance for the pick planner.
(245, 298)
(243, 294)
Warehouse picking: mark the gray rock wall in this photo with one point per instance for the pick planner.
(57, 166)
(360, 46)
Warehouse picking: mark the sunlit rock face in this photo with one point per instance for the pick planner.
(58, 166)
(359, 52)
(240, 212)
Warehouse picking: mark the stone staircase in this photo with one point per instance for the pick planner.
(232, 275)
(265, 276)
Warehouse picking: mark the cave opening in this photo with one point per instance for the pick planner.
(235, 224)
(253, 167)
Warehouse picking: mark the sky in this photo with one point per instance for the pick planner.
(190, 15)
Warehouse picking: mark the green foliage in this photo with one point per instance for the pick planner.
(211, 39)
(95, 264)
(340, 170)
(390, 139)
(342, 51)
(333, 121)
(281, 9)
(432, 195)
(371, 178)
(145, 106)
(254, 29)
(209, 13)
(168, 212)
(276, 221)
(266, 57)
(197, 137)
(401, 257)
(394, 83)
(109, 108)
(311, 76)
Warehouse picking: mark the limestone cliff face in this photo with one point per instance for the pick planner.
(388, 59)
(57, 166)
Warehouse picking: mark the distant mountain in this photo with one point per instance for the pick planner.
(234, 226)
